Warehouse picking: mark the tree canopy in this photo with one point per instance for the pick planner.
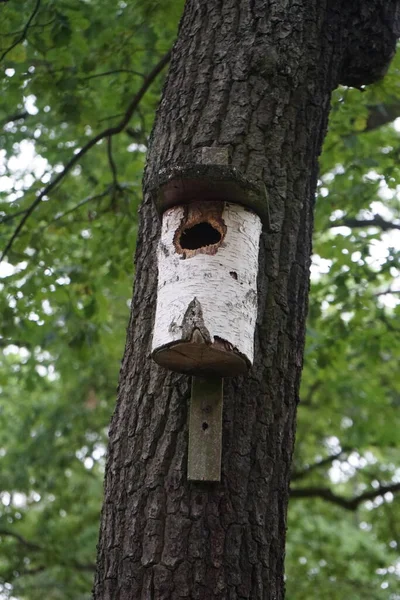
(80, 83)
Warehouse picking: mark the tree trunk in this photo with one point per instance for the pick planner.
(254, 77)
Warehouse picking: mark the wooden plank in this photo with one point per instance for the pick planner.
(205, 429)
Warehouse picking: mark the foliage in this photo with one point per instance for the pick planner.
(349, 412)
(66, 290)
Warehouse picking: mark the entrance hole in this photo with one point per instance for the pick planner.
(198, 236)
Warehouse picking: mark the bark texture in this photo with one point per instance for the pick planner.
(254, 76)
(368, 40)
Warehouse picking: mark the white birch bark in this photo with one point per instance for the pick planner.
(223, 283)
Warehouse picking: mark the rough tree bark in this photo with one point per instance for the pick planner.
(254, 76)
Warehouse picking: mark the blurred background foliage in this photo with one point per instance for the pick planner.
(69, 70)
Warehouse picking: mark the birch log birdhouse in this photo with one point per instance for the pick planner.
(207, 278)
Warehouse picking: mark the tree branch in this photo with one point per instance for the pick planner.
(376, 221)
(16, 117)
(381, 114)
(24, 32)
(110, 131)
(33, 571)
(382, 317)
(348, 503)
(386, 292)
(77, 206)
(20, 539)
(317, 465)
(112, 164)
(33, 546)
(113, 167)
(13, 215)
(307, 399)
(116, 71)
(370, 46)
(91, 567)
(42, 25)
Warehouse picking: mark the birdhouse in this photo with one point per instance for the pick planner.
(207, 299)
(207, 272)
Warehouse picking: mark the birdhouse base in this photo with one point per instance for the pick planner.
(200, 358)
